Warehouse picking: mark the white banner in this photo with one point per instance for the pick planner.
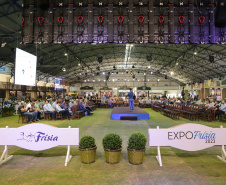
(189, 137)
(39, 136)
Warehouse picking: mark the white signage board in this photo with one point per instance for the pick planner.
(39, 136)
(189, 137)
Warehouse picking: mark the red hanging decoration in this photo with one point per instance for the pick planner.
(40, 20)
(60, 19)
(100, 19)
(22, 21)
(201, 20)
(120, 19)
(181, 19)
(80, 19)
(141, 19)
(161, 19)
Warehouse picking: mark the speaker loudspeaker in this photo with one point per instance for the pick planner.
(211, 59)
(100, 59)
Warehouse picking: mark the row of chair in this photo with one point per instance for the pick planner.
(192, 112)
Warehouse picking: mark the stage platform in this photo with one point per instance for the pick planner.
(119, 112)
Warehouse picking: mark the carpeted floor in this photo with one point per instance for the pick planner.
(47, 167)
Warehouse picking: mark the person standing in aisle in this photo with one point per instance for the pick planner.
(130, 95)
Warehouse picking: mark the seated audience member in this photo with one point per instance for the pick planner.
(31, 108)
(76, 102)
(35, 108)
(71, 104)
(51, 101)
(67, 98)
(48, 109)
(223, 106)
(220, 109)
(37, 105)
(177, 100)
(62, 111)
(81, 107)
(23, 111)
(211, 103)
(140, 101)
(110, 103)
(183, 102)
(54, 104)
(148, 101)
(5, 102)
(65, 107)
(189, 99)
(41, 104)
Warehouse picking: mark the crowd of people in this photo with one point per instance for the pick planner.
(35, 110)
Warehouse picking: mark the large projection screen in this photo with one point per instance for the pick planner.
(25, 68)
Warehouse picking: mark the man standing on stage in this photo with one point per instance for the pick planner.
(130, 95)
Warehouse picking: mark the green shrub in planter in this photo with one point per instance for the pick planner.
(87, 148)
(136, 148)
(11, 110)
(112, 144)
(137, 141)
(87, 142)
(5, 111)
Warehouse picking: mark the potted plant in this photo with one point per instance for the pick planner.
(87, 149)
(11, 110)
(112, 144)
(136, 148)
(5, 112)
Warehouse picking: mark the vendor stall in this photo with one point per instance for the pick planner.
(88, 91)
(143, 91)
(105, 91)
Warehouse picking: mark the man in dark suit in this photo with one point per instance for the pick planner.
(130, 95)
(81, 107)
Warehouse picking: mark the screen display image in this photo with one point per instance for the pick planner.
(25, 68)
(57, 85)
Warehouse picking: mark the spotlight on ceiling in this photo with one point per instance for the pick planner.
(64, 69)
(149, 57)
(112, 73)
